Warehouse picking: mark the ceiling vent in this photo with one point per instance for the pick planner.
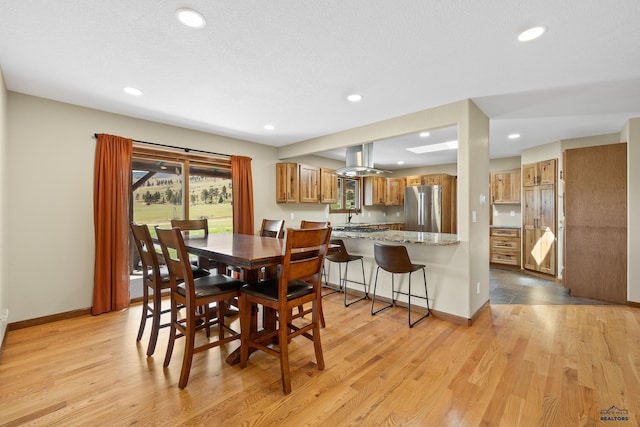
(359, 162)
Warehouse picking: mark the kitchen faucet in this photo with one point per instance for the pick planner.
(349, 215)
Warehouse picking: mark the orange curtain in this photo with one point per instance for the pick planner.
(111, 192)
(242, 192)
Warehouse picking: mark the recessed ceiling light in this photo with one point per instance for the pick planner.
(514, 136)
(424, 134)
(132, 91)
(449, 145)
(190, 18)
(531, 34)
(269, 127)
(354, 97)
(400, 162)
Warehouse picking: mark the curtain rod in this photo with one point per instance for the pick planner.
(186, 150)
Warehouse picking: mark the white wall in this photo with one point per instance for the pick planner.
(631, 135)
(4, 217)
(50, 196)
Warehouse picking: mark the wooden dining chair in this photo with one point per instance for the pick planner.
(305, 225)
(197, 227)
(298, 282)
(155, 279)
(272, 228)
(194, 293)
(310, 225)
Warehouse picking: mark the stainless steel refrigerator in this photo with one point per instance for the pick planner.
(423, 208)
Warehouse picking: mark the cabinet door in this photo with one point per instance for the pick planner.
(375, 188)
(328, 186)
(433, 179)
(309, 184)
(286, 182)
(529, 174)
(547, 172)
(413, 180)
(546, 207)
(530, 207)
(395, 191)
(505, 187)
(540, 251)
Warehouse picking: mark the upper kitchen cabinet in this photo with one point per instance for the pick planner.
(287, 183)
(505, 187)
(539, 173)
(375, 189)
(328, 186)
(395, 191)
(412, 181)
(309, 181)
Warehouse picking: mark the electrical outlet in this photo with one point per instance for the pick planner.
(292, 215)
(478, 288)
(5, 315)
(398, 214)
(513, 213)
(474, 216)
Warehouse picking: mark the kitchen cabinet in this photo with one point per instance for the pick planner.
(395, 191)
(413, 180)
(328, 186)
(539, 173)
(505, 187)
(375, 189)
(286, 183)
(309, 183)
(539, 228)
(432, 179)
(505, 246)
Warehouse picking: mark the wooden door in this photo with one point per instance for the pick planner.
(596, 222)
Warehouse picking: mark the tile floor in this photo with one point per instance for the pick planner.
(513, 287)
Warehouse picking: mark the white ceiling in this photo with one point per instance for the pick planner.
(291, 63)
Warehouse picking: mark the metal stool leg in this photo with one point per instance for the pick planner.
(346, 279)
(424, 275)
(373, 298)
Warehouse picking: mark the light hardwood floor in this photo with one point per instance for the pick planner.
(518, 365)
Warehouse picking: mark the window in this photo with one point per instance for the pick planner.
(170, 185)
(348, 195)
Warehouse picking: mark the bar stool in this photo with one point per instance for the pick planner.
(395, 260)
(340, 255)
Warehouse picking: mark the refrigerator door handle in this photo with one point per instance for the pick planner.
(420, 208)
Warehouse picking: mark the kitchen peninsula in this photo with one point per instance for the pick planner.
(435, 250)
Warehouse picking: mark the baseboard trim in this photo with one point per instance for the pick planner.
(633, 304)
(48, 319)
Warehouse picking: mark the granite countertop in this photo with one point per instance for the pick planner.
(416, 237)
(366, 224)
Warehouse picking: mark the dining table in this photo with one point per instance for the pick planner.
(251, 253)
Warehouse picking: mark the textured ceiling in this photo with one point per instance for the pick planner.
(292, 62)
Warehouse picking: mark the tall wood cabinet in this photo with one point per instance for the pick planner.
(539, 217)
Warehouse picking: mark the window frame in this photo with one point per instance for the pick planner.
(341, 196)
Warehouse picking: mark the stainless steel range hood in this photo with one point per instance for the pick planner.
(359, 162)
